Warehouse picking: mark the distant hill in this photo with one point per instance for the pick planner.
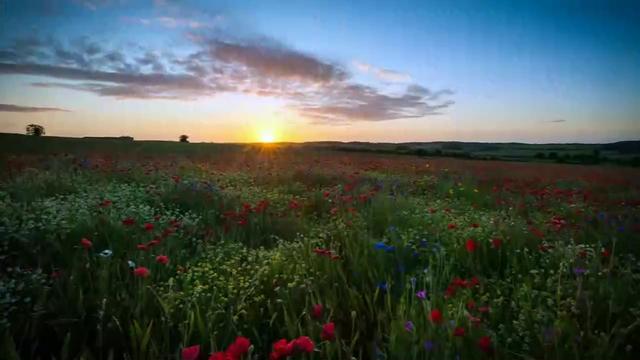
(620, 153)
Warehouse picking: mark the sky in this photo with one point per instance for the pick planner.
(259, 70)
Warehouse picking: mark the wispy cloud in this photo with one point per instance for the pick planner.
(556, 121)
(28, 109)
(275, 61)
(93, 5)
(318, 89)
(382, 74)
(172, 22)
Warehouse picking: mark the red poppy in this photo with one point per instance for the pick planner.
(496, 243)
(86, 243)
(143, 272)
(475, 225)
(605, 253)
(303, 344)
(485, 344)
(128, 221)
(451, 226)
(142, 247)
(162, 259)
(191, 352)
(153, 242)
(148, 226)
(328, 332)
(239, 347)
(281, 349)
(220, 355)
(105, 203)
(316, 311)
(436, 316)
(458, 331)
(470, 245)
(471, 304)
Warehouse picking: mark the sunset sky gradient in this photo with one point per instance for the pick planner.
(530, 71)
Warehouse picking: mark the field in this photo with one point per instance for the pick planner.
(127, 250)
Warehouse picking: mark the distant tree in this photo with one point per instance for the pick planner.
(35, 130)
(540, 155)
(184, 138)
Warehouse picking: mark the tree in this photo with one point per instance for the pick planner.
(184, 138)
(35, 130)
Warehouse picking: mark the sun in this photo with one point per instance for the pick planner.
(267, 136)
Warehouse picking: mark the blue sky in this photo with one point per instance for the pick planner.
(533, 71)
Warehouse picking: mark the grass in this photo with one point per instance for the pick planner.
(531, 261)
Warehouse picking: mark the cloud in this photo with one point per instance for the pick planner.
(28, 109)
(318, 89)
(172, 22)
(93, 5)
(275, 61)
(557, 121)
(382, 74)
(363, 103)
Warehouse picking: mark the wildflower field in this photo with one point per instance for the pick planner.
(281, 252)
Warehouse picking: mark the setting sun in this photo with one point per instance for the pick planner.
(267, 137)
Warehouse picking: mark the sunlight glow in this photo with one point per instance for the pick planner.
(267, 136)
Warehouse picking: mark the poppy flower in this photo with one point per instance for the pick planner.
(458, 331)
(485, 344)
(191, 352)
(470, 245)
(328, 332)
(162, 259)
(605, 253)
(451, 226)
(471, 304)
(128, 221)
(496, 243)
(436, 316)
(148, 227)
(316, 311)
(142, 272)
(281, 349)
(86, 243)
(239, 347)
(142, 247)
(303, 344)
(153, 242)
(220, 355)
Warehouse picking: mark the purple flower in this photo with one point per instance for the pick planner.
(422, 294)
(429, 345)
(579, 271)
(409, 326)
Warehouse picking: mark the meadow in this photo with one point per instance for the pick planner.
(189, 251)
